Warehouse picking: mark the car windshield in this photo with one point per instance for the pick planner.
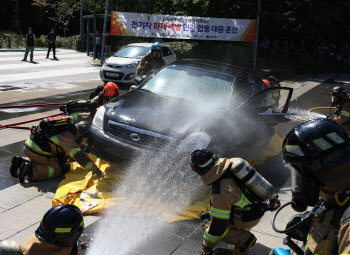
(192, 84)
(132, 52)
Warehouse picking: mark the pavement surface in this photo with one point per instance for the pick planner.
(73, 77)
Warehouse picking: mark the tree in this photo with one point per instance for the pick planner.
(64, 13)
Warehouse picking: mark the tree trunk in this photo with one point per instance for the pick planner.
(17, 15)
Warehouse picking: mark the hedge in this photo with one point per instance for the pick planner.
(237, 53)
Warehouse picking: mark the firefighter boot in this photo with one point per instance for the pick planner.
(244, 249)
(15, 165)
(26, 169)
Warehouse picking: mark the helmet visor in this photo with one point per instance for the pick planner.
(332, 169)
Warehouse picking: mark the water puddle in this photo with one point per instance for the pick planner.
(8, 88)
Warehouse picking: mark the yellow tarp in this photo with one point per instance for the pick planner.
(92, 194)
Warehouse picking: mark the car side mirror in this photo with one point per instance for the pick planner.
(133, 87)
(139, 80)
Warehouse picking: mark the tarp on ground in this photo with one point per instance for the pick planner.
(93, 194)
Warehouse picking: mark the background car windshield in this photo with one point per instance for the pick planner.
(191, 84)
(132, 52)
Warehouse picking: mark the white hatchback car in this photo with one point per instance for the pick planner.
(121, 67)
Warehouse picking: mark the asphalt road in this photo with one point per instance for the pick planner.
(72, 78)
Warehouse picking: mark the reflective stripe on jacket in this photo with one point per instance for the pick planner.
(33, 146)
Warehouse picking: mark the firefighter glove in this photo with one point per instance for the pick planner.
(206, 251)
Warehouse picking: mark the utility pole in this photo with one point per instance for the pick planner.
(256, 36)
(104, 32)
(81, 20)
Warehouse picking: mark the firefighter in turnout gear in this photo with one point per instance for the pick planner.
(49, 147)
(57, 234)
(83, 110)
(318, 152)
(342, 102)
(61, 138)
(152, 61)
(240, 197)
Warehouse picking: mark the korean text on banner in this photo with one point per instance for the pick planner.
(182, 27)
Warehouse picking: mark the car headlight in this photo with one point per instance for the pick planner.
(195, 141)
(99, 116)
(132, 65)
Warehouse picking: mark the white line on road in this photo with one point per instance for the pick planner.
(60, 57)
(81, 62)
(46, 74)
(41, 51)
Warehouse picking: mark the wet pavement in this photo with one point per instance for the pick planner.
(9, 113)
(30, 201)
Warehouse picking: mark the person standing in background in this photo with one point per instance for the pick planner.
(30, 42)
(98, 43)
(51, 38)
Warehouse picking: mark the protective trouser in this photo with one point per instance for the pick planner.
(47, 165)
(44, 167)
(235, 234)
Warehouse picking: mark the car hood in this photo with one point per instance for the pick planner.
(163, 115)
(121, 61)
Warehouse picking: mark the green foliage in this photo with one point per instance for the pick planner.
(41, 41)
(11, 39)
(227, 52)
(64, 12)
(77, 44)
(68, 42)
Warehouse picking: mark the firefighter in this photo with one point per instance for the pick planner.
(57, 234)
(235, 206)
(152, 61)
(49, 148)
(342, 102)
(109, 91)
(83, 110)
(318, 153)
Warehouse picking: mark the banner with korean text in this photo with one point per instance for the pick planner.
(182, 27)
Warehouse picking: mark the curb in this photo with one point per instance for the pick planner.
(95, 62)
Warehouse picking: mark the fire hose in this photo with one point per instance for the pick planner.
(29, 105)
(303, 118)
(15, 125)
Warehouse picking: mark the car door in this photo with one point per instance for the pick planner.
(269, 105)
(168, 55)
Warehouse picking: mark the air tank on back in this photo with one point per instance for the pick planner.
(252, 179)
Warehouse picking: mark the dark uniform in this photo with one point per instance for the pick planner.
(51, 38)
(30, 42)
